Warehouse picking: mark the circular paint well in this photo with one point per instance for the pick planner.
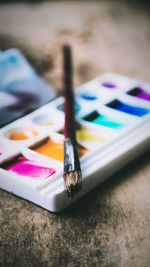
(45, 120)
(77, 107)
(88, 96)
(109, 85)
(21, 134)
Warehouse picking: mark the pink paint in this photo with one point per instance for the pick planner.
(31, 169)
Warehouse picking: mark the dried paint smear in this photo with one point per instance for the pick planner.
(103, 120)
(128, 108)
(18, 135)
(29, 168)
(55, 150)
(140, 93)
(85, 135)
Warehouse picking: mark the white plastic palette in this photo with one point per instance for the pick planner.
(113, 114)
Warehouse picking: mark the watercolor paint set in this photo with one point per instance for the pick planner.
(113, 128)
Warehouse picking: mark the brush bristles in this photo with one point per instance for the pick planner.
(72, 182)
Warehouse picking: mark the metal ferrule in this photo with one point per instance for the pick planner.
(71, 158)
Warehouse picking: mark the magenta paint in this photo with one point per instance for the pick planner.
(140, 93)
(30, 169)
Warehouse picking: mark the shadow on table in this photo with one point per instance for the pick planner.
(96, 199)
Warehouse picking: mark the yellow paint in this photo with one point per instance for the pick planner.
(55, 150)
(22, 134)
(48, 123)
(85, 135)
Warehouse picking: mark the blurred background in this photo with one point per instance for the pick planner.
(105, 36)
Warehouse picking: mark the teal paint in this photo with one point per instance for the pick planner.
(104, 120)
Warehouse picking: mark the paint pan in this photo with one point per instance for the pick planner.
(128, 108)
(20, 134)
(103, 120)
(55, 150)
(109, 85)
(140, 93)
(30, 168)
(90, 138)
(50, 148)
(88, 96)
(44, 120)
(77, 107)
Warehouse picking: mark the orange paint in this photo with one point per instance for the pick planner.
(82, 151)
(51, 149)
(22, 134)
(55, 150)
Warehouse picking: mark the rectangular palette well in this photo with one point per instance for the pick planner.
(55, 150)
(31, 169)
(113, 122)
(89, 138)
(103, 120)
(140, 93)
(128, 108)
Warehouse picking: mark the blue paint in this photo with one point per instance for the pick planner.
(127, 108)
(88, 96)
(13, 59)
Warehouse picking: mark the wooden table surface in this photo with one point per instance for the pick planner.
(110, 226)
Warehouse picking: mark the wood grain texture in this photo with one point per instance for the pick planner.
(110, 226)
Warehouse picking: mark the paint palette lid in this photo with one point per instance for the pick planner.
(21, 88)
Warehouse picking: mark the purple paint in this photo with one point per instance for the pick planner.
(31, 169)
(109, 85)
(140, 93)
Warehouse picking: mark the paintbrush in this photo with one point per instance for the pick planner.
(72, 170)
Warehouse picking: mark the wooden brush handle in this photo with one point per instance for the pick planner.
(69, 129)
